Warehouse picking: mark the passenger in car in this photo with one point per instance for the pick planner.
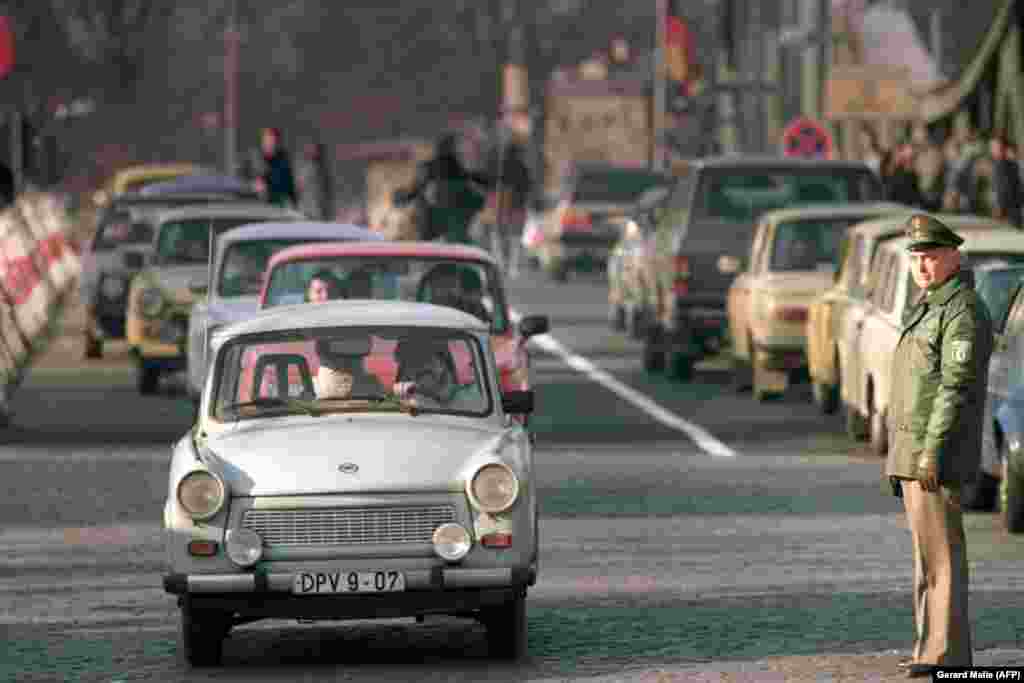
(344, 375)
(322, 286)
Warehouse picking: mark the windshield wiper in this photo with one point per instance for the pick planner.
(277, 402)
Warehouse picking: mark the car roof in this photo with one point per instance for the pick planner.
(454, 252)
(313, 230)
(352, 312)
(877, 227)
(226, 209)
(199, 182)
(769, 161)
(984, 240)
(836, 210)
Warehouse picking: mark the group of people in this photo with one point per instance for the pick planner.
(965, 174)
(309, 187)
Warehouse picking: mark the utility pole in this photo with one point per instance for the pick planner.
(231, 49)
(660, 82)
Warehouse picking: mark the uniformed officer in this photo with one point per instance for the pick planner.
(936, 407)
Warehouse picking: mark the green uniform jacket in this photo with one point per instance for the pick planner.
(939, 371)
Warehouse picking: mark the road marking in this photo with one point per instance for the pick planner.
(704, 440)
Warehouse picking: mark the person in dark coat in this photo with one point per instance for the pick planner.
(901, 178)
(277, 180)
(449, 193)
(511, 185)
(1006, 178)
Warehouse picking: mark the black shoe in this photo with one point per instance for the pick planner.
(920, 670)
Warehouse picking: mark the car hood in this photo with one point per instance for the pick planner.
(390, 453)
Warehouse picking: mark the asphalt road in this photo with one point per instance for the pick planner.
(685, 530)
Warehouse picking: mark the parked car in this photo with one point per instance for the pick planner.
(627, 284)
(578, 233)
(446, 274)
(842, 307)
(892, 293)
(996, 283)
(240, 258)
(133, 178)
(160, 297)
(119, 247)
(707, 225)
(793, 257)
(400, 494)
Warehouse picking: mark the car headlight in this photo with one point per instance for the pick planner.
(151, 302)
(201, 494)
(451, 541)
(493, 488)
(112, 288)
(244, 547)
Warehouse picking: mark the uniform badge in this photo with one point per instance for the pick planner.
(960, 350)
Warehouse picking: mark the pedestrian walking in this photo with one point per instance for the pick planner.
(447, 192)
(315, 183)
(936, 406)
(277, 182)
(1006, 178)
(511, 187)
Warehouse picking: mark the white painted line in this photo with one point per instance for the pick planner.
(704, 440)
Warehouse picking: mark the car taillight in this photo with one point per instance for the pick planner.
(791, 314)
(681, 282)
(573, 219)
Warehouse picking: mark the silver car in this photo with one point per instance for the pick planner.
(353, 460)
(239, 258)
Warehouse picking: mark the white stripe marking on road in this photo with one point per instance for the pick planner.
(699, 435)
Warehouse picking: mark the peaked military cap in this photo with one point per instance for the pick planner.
(926, 232)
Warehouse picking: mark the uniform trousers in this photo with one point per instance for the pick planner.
(940, 575)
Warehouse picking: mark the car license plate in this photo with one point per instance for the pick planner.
(318, 583)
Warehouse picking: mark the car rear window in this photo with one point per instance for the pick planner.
(742, 196)
(121, 231)
(812, 244)
(187, 241)
(614, 186)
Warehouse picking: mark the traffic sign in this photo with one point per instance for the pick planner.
(807, 139)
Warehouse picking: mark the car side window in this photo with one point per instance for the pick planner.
(879, 279)
(1014, 326)
(892, 283)
(757, 247)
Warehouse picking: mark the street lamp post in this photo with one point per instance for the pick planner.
(231, 45)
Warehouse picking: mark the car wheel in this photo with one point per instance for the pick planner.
(856, 425)
(202, 635)
(147, 379)
(93, 346)
(761, 394)
(617, 317)
(507, 628)
(654, 352)
(742, 376)
(826, 397)
(980, 492)
(878, 436)
(1012, 508)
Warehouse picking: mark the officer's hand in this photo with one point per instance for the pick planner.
(928, 474)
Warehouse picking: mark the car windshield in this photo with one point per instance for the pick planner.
(317, 371)
(244, 263)
(187, 242)
(811, 244)
(740, 196)
(995, 285)
(470, 286)
(623, 185)
(120, 231)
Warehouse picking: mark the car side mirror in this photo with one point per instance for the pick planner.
(533, 325)
(729, 265)
(133, 260)
(198, 287)
(517, 402)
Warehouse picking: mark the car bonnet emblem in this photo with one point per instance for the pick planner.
(348, 468)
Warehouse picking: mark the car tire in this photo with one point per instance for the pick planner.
(761, 395)
(1012, 503)
(826, 397)
(635, 322)
(980, 493)
(681, 366)
(507, 629)
(856, 425)
(617, 317)
(654, 351)
(202, 635)
(742, 376)
(93, 346)
(147, 379)
(878, 435)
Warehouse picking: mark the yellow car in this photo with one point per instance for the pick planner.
(161, 295)
(792, 259)
(134, 178)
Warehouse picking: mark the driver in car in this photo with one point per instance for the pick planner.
(427, 379)
(342, 373)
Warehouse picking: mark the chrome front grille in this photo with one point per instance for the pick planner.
(348, 526)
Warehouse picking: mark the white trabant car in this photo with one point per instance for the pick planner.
(893, 293)
(240, 256)
(353, 460)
